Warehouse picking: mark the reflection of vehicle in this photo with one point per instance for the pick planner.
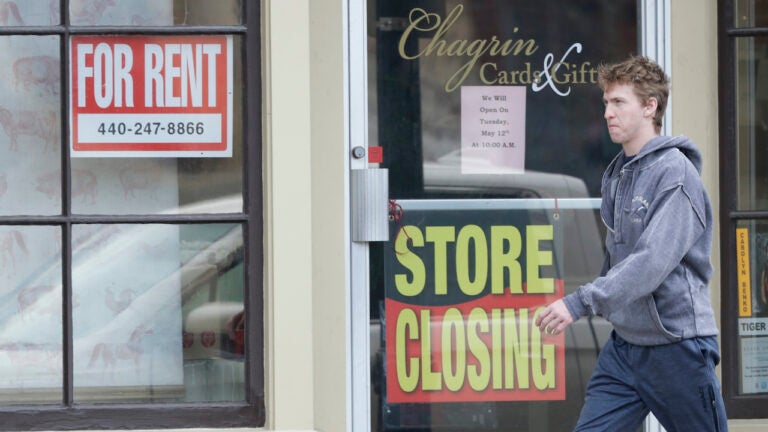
(443, 178)
(151, 303)
(582, 260)
(583, 239)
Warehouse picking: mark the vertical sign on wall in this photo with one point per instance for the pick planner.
(743, 278)
(151, 96)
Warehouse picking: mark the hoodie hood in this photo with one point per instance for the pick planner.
(654, 148)
(652, 151)
(681, 142)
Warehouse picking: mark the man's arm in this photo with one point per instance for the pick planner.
(672, 230)
(665, 241)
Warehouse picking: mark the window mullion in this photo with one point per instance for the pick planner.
(67, 351)
(66, 207)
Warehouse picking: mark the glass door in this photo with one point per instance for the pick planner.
(489, 120)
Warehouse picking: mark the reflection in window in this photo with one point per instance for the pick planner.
(154, 12)
(29, 12)
(751, 125)
(30, 315)
(750, 13)
(112, 12)
(752, 265)
(417, 76)
(159, 313)
(30, 125)
(156, 300)
(418, 115)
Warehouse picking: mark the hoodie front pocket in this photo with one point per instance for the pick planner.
(653, 312)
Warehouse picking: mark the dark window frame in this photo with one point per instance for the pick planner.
(737, 406)
(71, 416)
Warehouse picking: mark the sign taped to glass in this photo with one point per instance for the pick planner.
(151, 96)
(462, 291)
(492, 129)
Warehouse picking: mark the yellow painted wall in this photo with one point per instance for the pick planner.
(289, 286)
(330, 237)
(694, 96)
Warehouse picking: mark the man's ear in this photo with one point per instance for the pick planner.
(650, 106)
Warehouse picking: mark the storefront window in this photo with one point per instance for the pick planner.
(744, 198)
(750, 13)
(128, 181)
(31, 12)
(129, 230)
(122, 12)
(30, 116)
(158, 313)
(30, 317)
(752, 265)
(752, 131)
(490, 122)
(154, 13)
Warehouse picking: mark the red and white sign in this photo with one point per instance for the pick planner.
(151, 96)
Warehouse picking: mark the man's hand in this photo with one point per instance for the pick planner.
(554, 319)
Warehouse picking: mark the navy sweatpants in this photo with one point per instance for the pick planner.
(677, 382)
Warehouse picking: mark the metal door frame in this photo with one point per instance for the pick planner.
(356, 99)
(654, 42)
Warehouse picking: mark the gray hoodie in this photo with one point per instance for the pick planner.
(655, 286)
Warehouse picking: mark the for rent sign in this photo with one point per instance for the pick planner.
(151, 96)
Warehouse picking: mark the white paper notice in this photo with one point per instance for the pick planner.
(754, 365)
(492, 129)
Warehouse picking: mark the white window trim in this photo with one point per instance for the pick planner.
(358, 379)
(656, 43)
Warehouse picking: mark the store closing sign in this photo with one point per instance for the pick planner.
(463, 288)
(151, 96)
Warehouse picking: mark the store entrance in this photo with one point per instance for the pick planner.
(489, 120)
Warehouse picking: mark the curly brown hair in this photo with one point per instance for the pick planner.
(646, 77)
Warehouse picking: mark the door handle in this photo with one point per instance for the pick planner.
(370, 211)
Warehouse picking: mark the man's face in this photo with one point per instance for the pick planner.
(628, 120)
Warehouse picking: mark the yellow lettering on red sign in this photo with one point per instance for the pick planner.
(475, 254)
(461, 311)
(469, 357)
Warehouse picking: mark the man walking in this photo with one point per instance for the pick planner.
(654, 288)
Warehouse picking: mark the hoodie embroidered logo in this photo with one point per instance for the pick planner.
(639, 209)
